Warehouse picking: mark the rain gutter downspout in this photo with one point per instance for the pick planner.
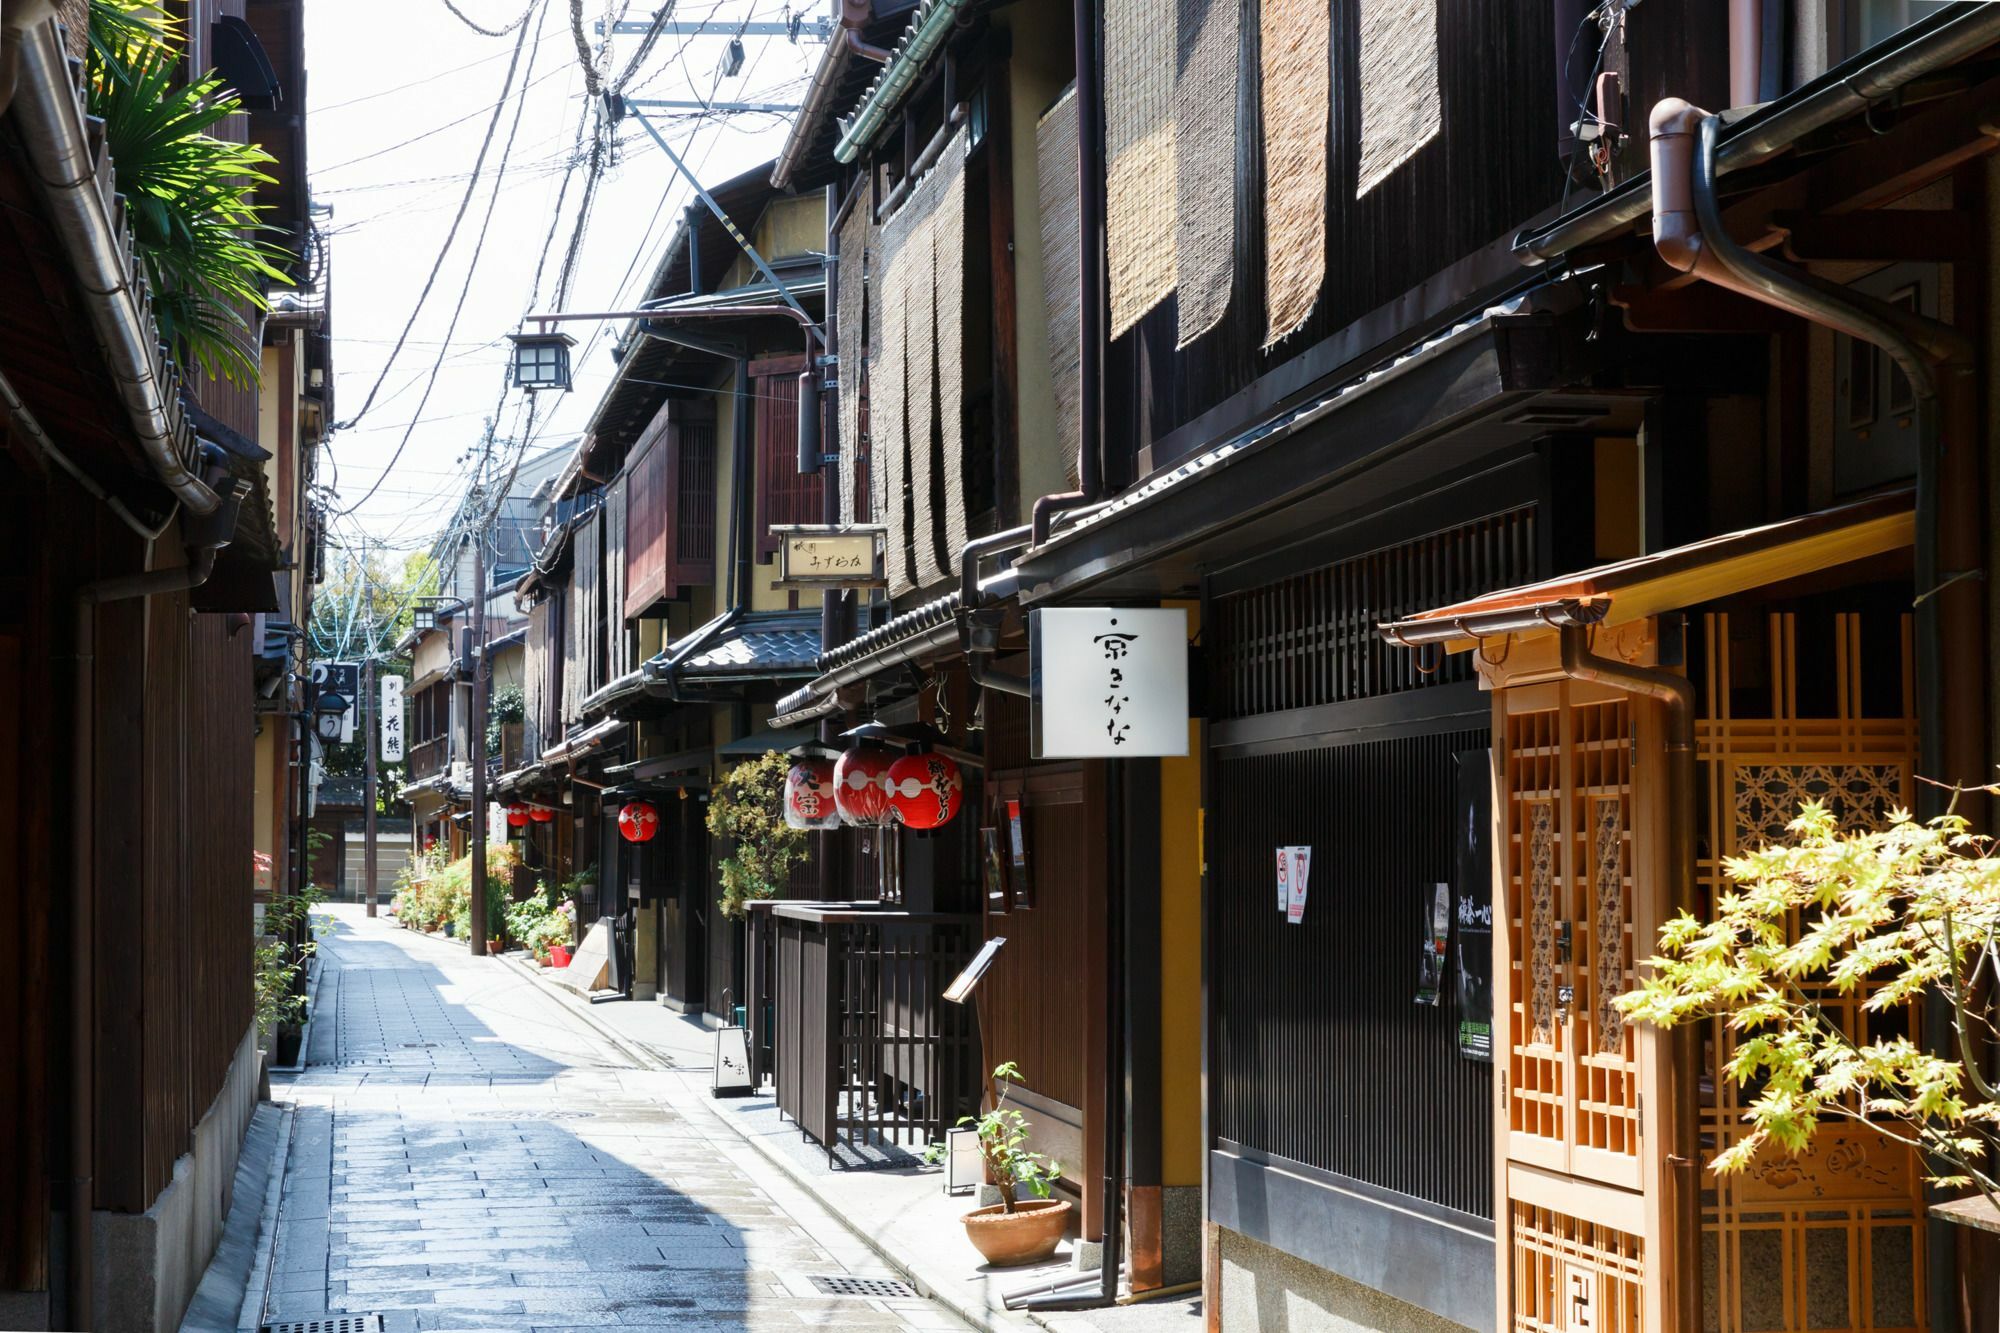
(979, 635)
(1777, 128)
(825, 78)
(1090, 277)
(44, 106)
(1675, 695)
(906, 64)
(15, 412)
(1938, 361)
(15, 20)
(80, 1287)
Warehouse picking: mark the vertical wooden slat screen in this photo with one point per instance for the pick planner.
(784, 495)
(694, 496)
(649, 505)
(1311, 639)
(1318, 1045)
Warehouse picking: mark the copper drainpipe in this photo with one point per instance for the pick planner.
(1937, 359)
(1676, 699)
(1746, 52)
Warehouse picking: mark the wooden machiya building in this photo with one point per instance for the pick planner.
(1567, 483)
(158, 547)
(658, 636)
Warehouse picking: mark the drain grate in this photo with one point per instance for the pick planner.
(528, 1115)
(328, 1323)
(879, 1287)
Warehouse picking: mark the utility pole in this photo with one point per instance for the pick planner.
(479, 719)
(368, 785)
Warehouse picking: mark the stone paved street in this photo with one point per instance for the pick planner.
(465, 1154)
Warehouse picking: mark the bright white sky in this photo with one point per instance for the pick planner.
(385, 72)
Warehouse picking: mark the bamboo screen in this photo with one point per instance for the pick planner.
(1832, 1238)
(1572, 1062)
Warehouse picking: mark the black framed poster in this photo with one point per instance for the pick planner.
(1472, 894)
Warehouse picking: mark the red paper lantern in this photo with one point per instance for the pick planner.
(925, 789)
(541, 814)
(638, 821)
(517, 815)
(809, 802)
(861, 786)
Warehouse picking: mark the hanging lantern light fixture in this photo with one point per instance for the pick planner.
(639, 821)
(809, 789)
(517, 815)
(541, 359)
(861, 785)
(926, 789)
(541, 814)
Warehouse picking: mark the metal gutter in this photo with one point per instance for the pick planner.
(826, 78)
(1765, 132)
(907, 62)
(93, 236)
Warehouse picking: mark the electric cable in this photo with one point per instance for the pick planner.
(473, 24)
(471, 187)
(471, 270)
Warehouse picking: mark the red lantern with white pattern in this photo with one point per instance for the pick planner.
(861, 786)
(541, 814)
(638, 821)
(809, 802)
(925, 789)
(517, 815)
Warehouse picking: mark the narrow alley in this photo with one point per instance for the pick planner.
(465, 1154)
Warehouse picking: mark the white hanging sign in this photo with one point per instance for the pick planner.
(392, 719)
(1108, 682)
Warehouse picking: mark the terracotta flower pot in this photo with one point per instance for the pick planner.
(1027, 1235)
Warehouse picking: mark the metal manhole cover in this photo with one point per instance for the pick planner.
(328, 1323)
(530, 1115)
(419, 1045)
(879, 1287)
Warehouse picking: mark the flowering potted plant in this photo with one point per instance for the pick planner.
(1014, 1230)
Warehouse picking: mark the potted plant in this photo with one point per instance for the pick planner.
(1900, 915)
(1014, 1230)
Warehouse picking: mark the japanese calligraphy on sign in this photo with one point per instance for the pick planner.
(1109, 682)
(392, 719)
(829, 557)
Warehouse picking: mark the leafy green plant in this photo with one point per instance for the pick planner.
(433, 891)
(507, 706)
(1003, 1144)
(190, 194)
(1896, 914)
(746, 809)
(277, 997)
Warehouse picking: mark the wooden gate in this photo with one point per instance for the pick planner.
(1834, 1237)
(1581, 891)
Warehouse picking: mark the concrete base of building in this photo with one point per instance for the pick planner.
(149, 1264)
(24, 1309)
(1262, 1290)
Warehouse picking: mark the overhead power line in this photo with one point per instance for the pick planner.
(437, 266)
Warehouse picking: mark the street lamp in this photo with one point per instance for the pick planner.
(329, 716)
(541, 359)
(424, 617)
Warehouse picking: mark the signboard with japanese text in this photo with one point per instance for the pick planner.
(1108, 682)
(343, 679)
(826, 557)
(392, 719)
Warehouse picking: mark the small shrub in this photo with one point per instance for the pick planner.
(747, 810)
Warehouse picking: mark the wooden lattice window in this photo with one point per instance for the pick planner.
(784, 494)
(670, 506)
(1570, 1274)
(1573, 1084)
(1834, 1237)
(1312, 638)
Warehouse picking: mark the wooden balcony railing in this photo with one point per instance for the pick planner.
(846, 1015)
(428, 757)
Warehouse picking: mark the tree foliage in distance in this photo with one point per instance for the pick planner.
(1895, 914)
(747, 811)
(189, 195)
